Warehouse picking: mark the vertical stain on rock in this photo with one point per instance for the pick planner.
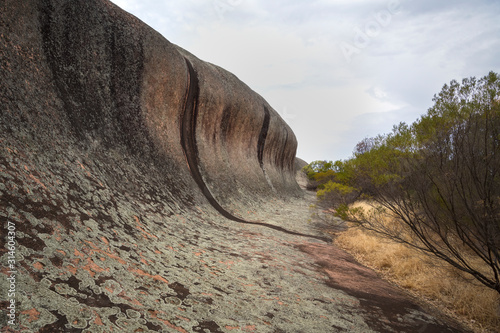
(262, 137)
(225, 123)
(261, 145)
(188, 140)
(282, 155)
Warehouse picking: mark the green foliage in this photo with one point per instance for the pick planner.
(318, 169)
(334, 188)
(439, 178)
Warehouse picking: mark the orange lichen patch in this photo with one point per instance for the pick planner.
(182, 318)
(95, 249)
(71, 269)
(36, 180)
(160, 278)
(228, 263)
(144, 262)
(141, 272)
(104, 240)
(249, 328)
(93, 268)
(154, 314)
(78, 253)
(32, 314)
(91, 244)
(232, 327)
(38, 265)
(157, 251)
(86, 171)
(131, 300)
(113, 256)
(110, 289)
(97, 320)
(140, 226)
(61, 252)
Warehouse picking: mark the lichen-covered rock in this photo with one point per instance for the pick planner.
(118, 149)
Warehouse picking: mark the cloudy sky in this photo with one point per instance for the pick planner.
(336, 70)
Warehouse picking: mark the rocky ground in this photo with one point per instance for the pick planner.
(203, 273)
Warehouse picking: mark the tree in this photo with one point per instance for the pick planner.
(332, 181)
(439, 180)
(318, 173)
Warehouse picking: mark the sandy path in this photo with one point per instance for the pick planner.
(361, 300)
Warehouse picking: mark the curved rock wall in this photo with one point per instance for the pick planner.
(118, 83)
(117, 149)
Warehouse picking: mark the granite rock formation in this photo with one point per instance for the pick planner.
(111, 136)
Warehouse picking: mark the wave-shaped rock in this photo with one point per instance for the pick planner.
(89, 75)
(117, 146)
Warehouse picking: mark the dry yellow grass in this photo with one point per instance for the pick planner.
(428, 278)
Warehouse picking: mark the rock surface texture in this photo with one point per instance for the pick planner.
(150, 191)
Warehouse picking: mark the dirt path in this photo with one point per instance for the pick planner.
(355, 298)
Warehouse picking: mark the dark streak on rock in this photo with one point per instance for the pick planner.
(262, 137)
(153, 327)
(283, 150)
(224, 123)
(181, 291)
(211, 326)
(188, 140)
(56, 261)
(58, 326)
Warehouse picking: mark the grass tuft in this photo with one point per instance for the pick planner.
(430, 279)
